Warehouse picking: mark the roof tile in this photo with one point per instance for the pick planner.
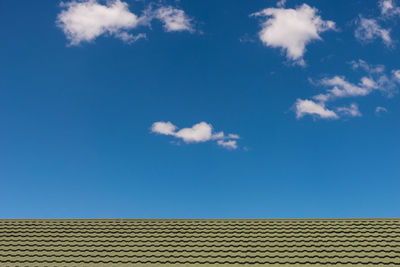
(141, 242)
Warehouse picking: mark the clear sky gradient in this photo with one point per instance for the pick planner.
(75, 120)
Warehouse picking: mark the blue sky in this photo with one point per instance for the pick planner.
(199, 109)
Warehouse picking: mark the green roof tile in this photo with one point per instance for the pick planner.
(140, 242)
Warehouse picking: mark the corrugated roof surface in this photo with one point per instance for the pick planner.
(115, 242)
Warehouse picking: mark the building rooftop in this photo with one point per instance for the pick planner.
(205, 242)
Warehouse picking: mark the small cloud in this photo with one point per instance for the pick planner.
(368, 83)
(369, 30)
(338, 87)
(309, 107)
(231, 144)
(174, 19)
(246, 39)
(84, 21)
(380, 110)
(198, 133)
(376, 80)
(281, 3)
(396, 74)
(342, 88)
(389, 8)
(233, 136)
(361, 64)
(386, 6)
(292, 29)
(130, 38)
(351, 110)
(166, 128)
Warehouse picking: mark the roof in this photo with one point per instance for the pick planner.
(142, 242)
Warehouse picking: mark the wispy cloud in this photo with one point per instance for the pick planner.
(389, 8)
(84, 21)
(198, 133)
(174, 19)
(368, 30)
(230, 144)
(377, 77)
(352, 110)
(338, 87)
(380, 110)
(309, 107)
(396, 74)
(281, 3)
(292, 29)
(361, 64)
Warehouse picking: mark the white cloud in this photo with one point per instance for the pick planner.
(281, 3)
(368, 83)
(376, 80)
(84, 21)
(246, 38)
(338, 87)
(396, 74)
(174, 19)
(233, 136)
(379, 110)
(389, 8)
(166, 128)
(369, 30)
(309, 107)
(342, 88)
(231, 144)
(361, 64)
(200, 132)
(292, 29)
(351, 110)
(129, 38)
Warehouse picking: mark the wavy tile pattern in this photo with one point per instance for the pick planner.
(141, 242)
